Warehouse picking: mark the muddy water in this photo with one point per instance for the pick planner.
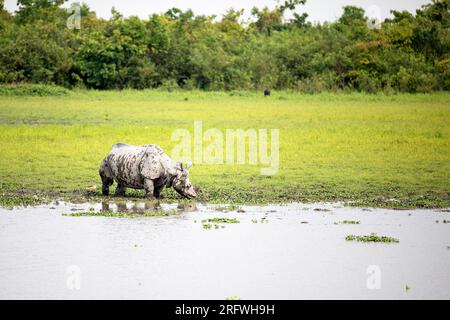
(275, 252)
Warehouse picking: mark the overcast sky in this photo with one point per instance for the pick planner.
(318, 10)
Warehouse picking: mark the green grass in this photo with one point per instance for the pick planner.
(372, 238)
(368, 150)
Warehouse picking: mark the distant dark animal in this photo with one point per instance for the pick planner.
(266, 92)
(145, 167)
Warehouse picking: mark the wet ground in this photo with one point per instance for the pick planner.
(275, 252)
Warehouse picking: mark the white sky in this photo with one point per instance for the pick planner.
(318, 10)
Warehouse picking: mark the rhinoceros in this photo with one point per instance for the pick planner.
(145, 167)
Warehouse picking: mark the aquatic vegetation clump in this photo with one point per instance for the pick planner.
(223, 220)
(231, 207)
(217, 222)
(372, 238)
(347, 222)
(159, 213)
(21, 200)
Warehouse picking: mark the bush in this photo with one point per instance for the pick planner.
(169, 85)
(318, 83)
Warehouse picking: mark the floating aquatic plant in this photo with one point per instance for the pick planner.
(230, 207)
(159, 213)
(223, 220)
(347, 222)
(372, 238)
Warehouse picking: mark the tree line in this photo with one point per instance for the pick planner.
(409, 52)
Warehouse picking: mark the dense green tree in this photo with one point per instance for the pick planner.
(45, 10)
(5, 16)
(409, 52)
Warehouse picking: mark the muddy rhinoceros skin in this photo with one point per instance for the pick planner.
(145, 167)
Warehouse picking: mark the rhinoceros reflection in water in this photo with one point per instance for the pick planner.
(187, 207)
(131, 207)
(145, 167)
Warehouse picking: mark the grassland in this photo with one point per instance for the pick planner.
(371, 150)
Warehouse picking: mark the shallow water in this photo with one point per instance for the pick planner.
(291, 252)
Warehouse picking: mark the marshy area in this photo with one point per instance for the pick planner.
(365, 179)
(188, 250)
(366, 150)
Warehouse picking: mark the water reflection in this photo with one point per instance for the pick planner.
(143, 206)
(187, 206)
(131, 207)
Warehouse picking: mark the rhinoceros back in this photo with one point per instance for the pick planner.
(120, 145)
(124, 161)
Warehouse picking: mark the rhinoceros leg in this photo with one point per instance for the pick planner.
(106, 183)
(157, 191)
(149, 188)
(120, 190)
(106, 176)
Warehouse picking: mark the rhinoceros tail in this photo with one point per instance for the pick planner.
(119, 145)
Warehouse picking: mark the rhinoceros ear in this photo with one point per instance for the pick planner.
(188, 164)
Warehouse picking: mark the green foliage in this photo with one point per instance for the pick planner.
(36, 52)
(178, 49)
(31, 11)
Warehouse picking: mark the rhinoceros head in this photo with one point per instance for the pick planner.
(182, 184)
